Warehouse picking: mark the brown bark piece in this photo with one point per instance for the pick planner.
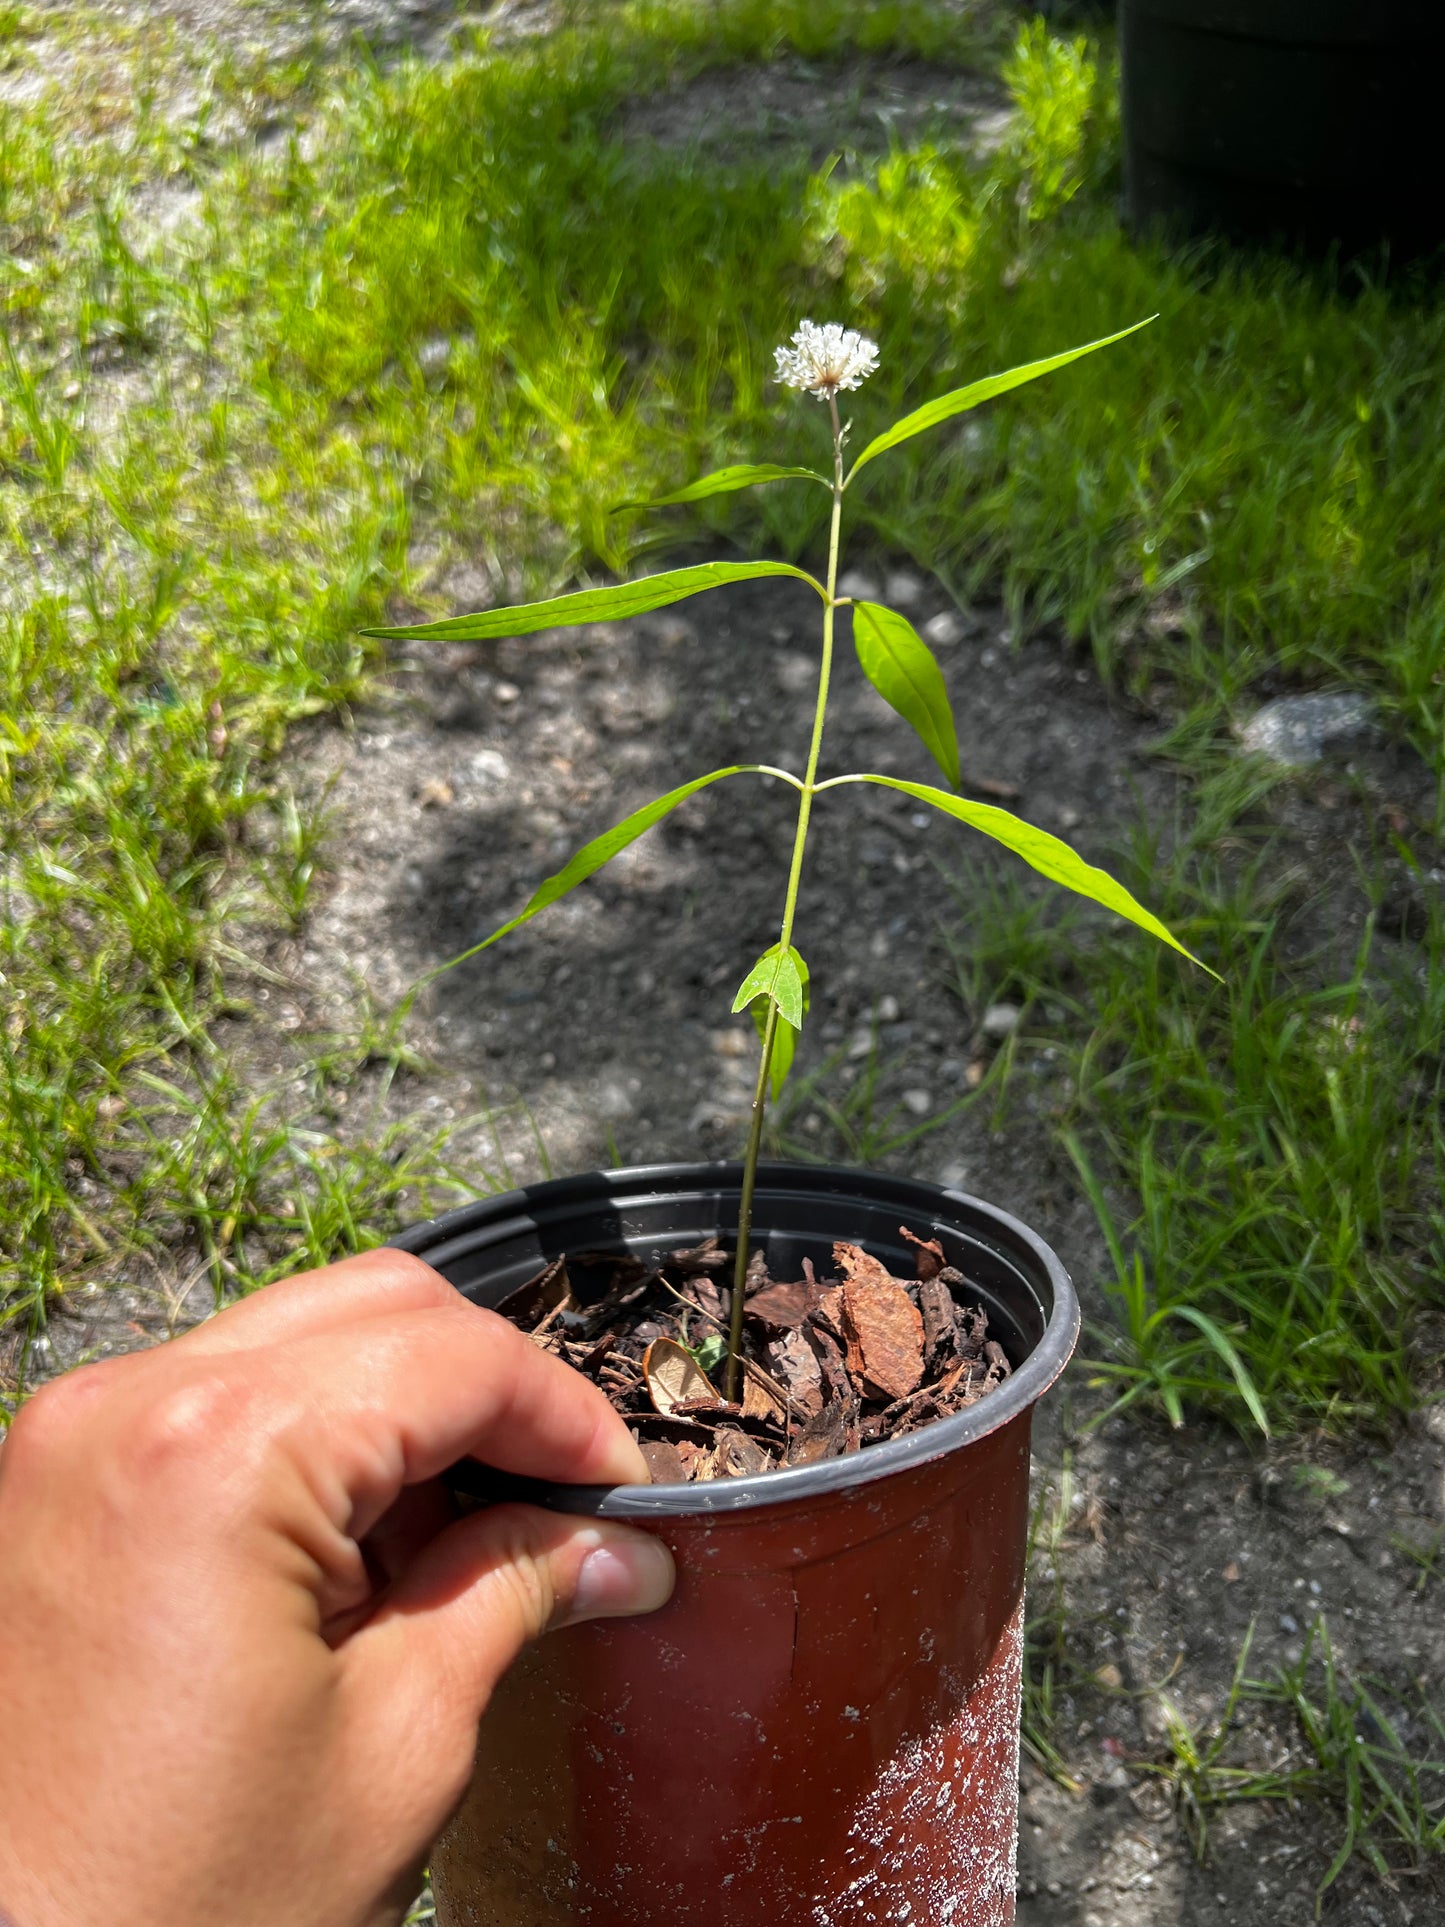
(737, 1456)
(855, 1263)
(823, 1437)
(794, 1363)
(888, 1329)
(780, 1307)
(940, 1334)
(533, 1300)
(759, 1398)
(664, 1461)
(927, 1253)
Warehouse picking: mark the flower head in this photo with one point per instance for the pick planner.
(825, 359)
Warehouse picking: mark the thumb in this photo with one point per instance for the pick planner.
(465, 1607)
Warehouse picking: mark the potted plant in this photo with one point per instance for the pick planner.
(822, 1726)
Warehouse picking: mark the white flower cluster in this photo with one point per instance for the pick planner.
(823, 360)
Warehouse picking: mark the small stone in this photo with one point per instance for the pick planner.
(945, 629)
(1109, 1676)
(506, 692)
(434, 354)
(1298, 730)
(903, 590)
(1288, 1623)
(490, 765)
(795, 672)
(1230, 1574)
(435, 793)
(889, 1010)
(861, 587)
(999, 1020)
(920, 1103)
(730, 1043)
(953, 1174)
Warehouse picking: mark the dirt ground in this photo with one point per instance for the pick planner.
(601, 1033)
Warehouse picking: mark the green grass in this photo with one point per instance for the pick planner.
(464, 315)
(1374, 1761)
(1275, 1137)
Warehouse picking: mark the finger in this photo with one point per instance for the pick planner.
(374, 1284)
(393, 1401)
(490, 1583)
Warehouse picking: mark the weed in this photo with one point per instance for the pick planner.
(1377, 1765)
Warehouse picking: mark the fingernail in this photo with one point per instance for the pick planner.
(625, 1575)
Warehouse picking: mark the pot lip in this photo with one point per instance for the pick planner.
(831, 1477)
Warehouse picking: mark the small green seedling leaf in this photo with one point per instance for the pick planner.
(592, 856)
(777, 976)
(902, 668)
(785, 1035)
(722, 481)
(593, 605)
(711, 1352)
(1047, 854)
(960, 399)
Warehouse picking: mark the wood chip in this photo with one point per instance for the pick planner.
(794, 1363)
(780, 1307)
(888, 1330)
(927, 1253)
(547, 1292)
(737, 1456)
(675, 1378)
(664, 1462)
(854, 1262)
(760, 1399)
(940, 1333)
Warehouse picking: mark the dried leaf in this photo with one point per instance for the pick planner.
(780, 1307)
(532, 1301)
(664, 1462)
(927, 1253)
(674, 1377)
(888, 1330)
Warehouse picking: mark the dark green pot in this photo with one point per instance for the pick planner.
(1310, 123)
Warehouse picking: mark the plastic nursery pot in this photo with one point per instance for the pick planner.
(822, 1725)
(1307, 122)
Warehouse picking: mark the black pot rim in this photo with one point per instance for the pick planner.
(1022, 1389)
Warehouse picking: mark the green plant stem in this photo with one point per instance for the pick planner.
(733, 1380)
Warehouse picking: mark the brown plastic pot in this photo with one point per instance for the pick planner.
(822, 1726)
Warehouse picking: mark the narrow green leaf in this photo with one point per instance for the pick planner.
(960, 399)
(1046, 854)
(592, 856)
(901, 667)
(777, 976)
(722, 481)
(593, 605)
(1202, 1322)
(785, 1035)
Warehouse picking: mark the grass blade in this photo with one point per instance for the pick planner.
(1203, 1323)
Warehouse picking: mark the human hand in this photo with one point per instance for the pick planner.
(245, 1641)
